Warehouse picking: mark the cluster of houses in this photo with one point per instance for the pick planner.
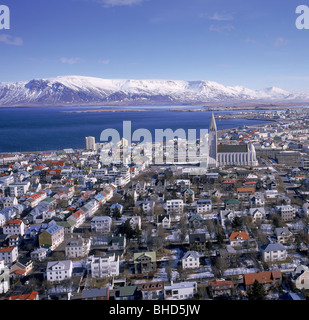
(78, 229)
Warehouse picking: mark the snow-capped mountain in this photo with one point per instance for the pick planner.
(80, 90)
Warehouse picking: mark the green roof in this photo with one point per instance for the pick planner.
(230, 201)
(151, 254)
(127, 291)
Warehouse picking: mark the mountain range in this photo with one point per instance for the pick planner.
(83, 91)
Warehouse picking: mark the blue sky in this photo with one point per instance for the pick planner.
(251, 43)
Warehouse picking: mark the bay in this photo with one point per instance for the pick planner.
(48, 128)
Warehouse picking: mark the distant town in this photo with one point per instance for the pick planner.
(74, 226)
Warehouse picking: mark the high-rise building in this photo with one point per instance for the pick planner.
(90, 143)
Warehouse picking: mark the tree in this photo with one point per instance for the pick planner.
(257, 292)
(237, 222)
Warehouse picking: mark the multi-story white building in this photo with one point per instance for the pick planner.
(78, 248)
(4, 278)
(59, 270)
(105, 266)
(18, 189)
(101, 224)
(174, 206)
(203, 206)
(14, 227)
(8, 254)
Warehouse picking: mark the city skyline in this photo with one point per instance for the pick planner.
(255, 45)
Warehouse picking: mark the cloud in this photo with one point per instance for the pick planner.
(249, 40)
(114, 3)
(104, 61)
(7, 39)
(280, 42)
(70, 60)
(221, 17)
(221, 29)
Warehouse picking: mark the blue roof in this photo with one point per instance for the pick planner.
(53, 229)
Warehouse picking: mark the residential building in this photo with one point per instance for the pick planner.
(105, 266)
(269, 279)
(52, 237)
(14, 227)
(239, 238)
(284, 235)
(95, 294)
(8, 254)
(78, 248)
(287, 212)
(180, 291)
(4, 278)
(147, 206)
(203, 206)
(153, 290)
(164, 220)
(273, 252)
(145, 262)
(174, 206)
(101, 224)
(59, 270)
(220, 288)
(190, 260)
(39, 254)
(300, 277)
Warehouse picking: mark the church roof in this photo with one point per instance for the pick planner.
(222, 148)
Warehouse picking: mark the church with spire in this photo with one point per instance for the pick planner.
(221, 155)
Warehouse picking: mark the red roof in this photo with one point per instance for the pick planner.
(13, 222)
(29, 296)
(241, 235)
(7, 249)
(262, 277)
(229, 181)
(217, 283)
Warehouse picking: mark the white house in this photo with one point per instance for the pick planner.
(135, 221)
(300, 277)
(14, 227)
(101, 224)
(257, 214)
(105, 266)
(274, 252)
(257, 199)
(164, 220)
(190, 260)
(78, 248)
(146, 205)
(59, 270)
(8, 254)
(39, 254)
(180, 291)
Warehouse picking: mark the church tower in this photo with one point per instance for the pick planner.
(212, 163)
